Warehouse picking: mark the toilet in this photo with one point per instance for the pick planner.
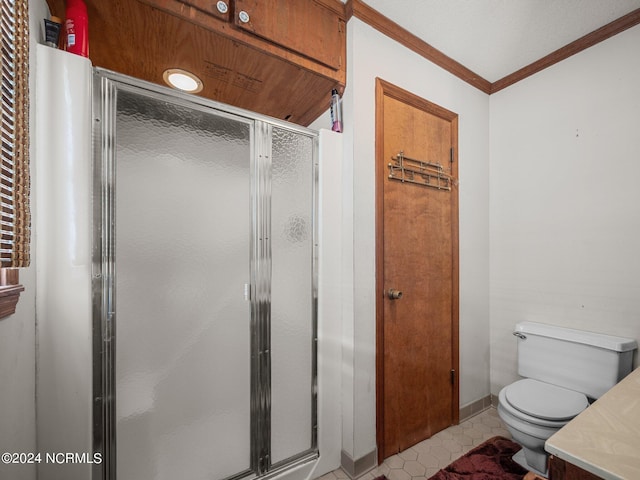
(564, 371)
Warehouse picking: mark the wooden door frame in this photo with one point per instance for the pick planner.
(383, 89)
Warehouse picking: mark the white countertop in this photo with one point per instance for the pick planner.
(605, 438)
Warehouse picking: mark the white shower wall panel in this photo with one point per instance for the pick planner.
(63, 249)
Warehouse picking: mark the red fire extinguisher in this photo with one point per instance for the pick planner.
(77, 28)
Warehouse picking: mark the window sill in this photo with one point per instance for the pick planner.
(9, 297)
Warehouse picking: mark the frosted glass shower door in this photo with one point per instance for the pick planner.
(182, 259)
(292, 296)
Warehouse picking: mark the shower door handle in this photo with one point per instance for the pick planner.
(394, 294)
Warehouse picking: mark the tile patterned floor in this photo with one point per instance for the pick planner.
(424, 459)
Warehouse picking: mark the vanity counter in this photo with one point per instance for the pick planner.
(605, 438)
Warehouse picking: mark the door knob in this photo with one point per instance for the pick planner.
(394, 294)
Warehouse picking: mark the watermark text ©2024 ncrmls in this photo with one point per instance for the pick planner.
(50, 457)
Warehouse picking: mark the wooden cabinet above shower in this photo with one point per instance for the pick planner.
(276, 57)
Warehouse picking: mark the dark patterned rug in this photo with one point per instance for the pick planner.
(490, 460)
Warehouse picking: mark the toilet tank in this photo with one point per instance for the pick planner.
(586, 362)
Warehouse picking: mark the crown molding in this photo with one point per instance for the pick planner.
(609, 30)
(394, 31)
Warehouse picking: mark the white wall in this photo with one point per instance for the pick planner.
(17, 332)
(371, 55)
(17, 381)
(565, 199)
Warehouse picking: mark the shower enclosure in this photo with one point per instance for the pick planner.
(204, 287)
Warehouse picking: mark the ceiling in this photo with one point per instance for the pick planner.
(495, 38)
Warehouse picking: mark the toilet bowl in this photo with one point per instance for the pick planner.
(561, 371)
(533, 411)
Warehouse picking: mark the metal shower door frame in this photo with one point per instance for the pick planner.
(106, 85)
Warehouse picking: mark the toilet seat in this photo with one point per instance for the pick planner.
(519, 416)
(547, 403)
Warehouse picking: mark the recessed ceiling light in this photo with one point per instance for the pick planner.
(182, 80)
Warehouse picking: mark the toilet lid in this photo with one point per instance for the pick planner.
(544, 400)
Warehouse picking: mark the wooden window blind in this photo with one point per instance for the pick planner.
(15, 216)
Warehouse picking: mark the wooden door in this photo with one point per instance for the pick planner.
(417, 255)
